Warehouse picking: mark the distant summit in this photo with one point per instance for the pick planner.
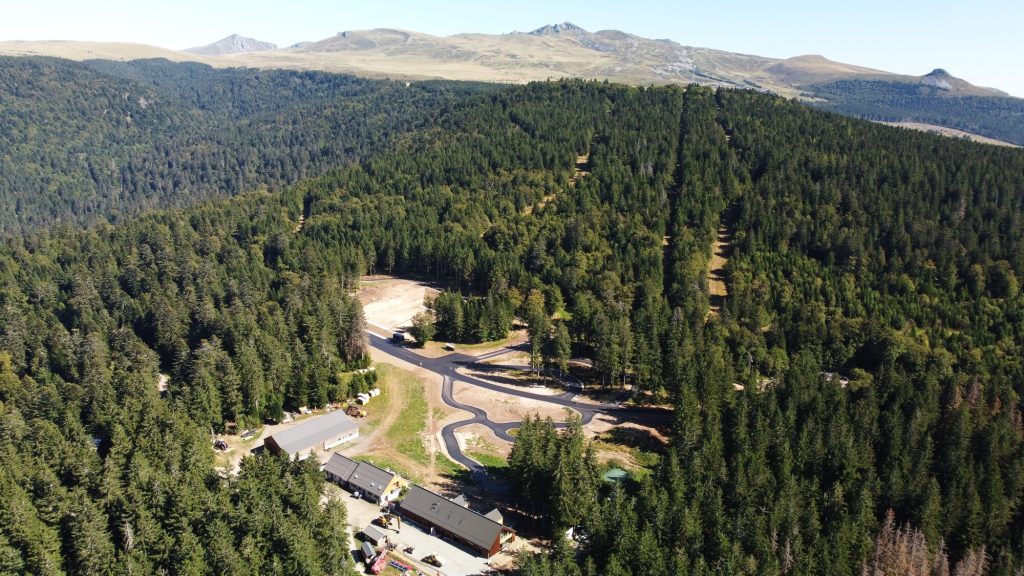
(938, 78)
(557, 29)
(233, 44)
(943, 80)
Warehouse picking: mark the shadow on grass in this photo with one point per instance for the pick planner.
(636, 438)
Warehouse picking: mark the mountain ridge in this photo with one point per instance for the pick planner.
(568, 51)
(565, 50)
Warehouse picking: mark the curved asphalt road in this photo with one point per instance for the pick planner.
(447, 366)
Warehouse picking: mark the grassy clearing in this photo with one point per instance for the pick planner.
(639, 458)
(447, 468)
(493, 462)
(406, 434)
(383, 461)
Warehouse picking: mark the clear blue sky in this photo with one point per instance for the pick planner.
(981, 41)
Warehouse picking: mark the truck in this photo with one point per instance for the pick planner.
(355, 411)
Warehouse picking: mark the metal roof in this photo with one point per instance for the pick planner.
(340, 466)
(463, 522)
(372, 533)
(370, 479)
(364, 476)
(314, 431)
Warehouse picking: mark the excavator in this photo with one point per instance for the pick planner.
(385, 520)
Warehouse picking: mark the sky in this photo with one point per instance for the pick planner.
(980, 41)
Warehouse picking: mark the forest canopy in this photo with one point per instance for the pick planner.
(863, 372)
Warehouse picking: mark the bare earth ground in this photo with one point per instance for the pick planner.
(513, 380)
(716, 269)
(624, 443)
(502, 408)
(480, 438)
(511, 357)
(390, 303)
(437, 349)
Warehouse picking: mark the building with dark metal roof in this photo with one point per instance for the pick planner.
(339, 468)
(325, 431)
(443, 516)
(373, 483)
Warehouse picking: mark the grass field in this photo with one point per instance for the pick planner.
(406, 434)
(494, 463)
(382, 461)
(404, 418)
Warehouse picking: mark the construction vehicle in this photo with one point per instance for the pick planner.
(355, 411)
(384, 520)
(433, 560)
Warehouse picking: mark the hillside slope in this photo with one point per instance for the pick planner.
(102, 140)
(865, 360)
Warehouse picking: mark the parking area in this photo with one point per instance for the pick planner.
(457, 561)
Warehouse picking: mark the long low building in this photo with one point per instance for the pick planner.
(373, 483)
(324, 432)
(458, 523)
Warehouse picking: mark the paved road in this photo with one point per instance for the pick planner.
(448, 367)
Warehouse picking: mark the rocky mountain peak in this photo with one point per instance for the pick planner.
(557, 29)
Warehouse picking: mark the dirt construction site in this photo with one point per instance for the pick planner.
(390, 303)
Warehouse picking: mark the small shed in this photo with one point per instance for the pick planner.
(373, 535)
(368, 552)
(495, 515)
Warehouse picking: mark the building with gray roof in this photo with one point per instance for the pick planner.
(373, 483)
(449, 519)
(372, 534)
(325, 432)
